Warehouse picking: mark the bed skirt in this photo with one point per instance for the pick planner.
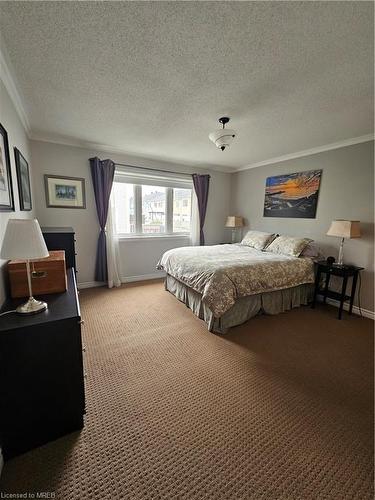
(244, 308)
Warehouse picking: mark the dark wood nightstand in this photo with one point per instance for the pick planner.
(345, 272)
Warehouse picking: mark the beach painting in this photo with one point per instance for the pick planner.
(292, 195)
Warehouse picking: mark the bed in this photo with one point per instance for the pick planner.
(225, 285)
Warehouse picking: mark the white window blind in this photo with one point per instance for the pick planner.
(134, 175)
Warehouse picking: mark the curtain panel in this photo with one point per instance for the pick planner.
(201, 186)
(102, 173)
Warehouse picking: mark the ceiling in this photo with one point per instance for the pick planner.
(152, 78)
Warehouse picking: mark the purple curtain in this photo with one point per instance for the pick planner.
(201, 184)
(102, 173)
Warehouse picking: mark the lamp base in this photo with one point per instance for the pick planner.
(32, 306)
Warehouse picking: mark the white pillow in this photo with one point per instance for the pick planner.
(258, 239)
(288, 245)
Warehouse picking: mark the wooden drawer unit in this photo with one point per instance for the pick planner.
(61, 238)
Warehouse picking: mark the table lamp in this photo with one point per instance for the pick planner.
(234, 222)
(23, 239)
(344, 229)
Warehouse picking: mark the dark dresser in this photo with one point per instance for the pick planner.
(61, 238)
(41, 372)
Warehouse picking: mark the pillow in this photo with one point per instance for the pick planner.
(288, 245)
(258, 239)
(313, 251)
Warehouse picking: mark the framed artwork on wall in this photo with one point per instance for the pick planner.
(65, 192)
(6, 188)
(292, 195)
(23, 180)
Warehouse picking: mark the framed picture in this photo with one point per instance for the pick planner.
(23, 180)
(292, 195)
(65, 192)
(6, 189)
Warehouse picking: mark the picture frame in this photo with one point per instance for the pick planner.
(292, 195)
(23, 181)
(64, 192)
(6, 186)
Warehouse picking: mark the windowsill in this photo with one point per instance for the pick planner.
(141, 237)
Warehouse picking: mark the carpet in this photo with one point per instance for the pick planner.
(279, 408)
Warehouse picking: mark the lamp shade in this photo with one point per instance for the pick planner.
(222, 138)
(345, 229)
(234, 221)
(23, 239)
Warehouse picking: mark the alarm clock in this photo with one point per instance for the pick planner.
(330, 260)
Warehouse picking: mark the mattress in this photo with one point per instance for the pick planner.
(222, 274)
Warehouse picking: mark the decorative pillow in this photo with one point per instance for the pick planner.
(258, 239)
(288, 245)
(313, 251)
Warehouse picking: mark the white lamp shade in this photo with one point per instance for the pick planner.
(345, 229)
(223, 137)
(23, 239)
(234, 221)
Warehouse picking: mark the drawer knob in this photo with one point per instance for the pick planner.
(81, 322)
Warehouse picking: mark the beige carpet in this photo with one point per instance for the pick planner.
(280, 408)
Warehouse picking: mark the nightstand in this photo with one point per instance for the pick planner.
(344, 272)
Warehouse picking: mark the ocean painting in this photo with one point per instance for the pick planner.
(292, 195)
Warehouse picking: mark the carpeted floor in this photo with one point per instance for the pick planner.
(280, 408)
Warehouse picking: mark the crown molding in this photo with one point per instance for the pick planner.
(308, 152)
(6, 76)
(105, 148)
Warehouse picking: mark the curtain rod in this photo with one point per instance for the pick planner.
(155, 169)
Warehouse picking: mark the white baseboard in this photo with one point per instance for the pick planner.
(157, 275)
(365, 312)
(124, 279)
(90, 284)
(143, 277)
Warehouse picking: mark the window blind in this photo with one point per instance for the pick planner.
(134, 175)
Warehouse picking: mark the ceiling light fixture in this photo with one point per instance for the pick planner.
(222, 138)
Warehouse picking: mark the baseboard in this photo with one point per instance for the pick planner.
(90, 284)
(124, 279)
(143, 277)
(365, 312)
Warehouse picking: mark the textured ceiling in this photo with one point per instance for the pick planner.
(152, 78)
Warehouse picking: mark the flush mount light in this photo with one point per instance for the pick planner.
(222, 138)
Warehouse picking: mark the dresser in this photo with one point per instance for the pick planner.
(61, 238)
(42, 393)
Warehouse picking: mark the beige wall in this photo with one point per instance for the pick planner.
(17, 137)
(138, 257)
(346, 192)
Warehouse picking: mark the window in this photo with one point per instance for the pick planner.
(181, 210)
(146, 204)
(124, 207)
(154, 209)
